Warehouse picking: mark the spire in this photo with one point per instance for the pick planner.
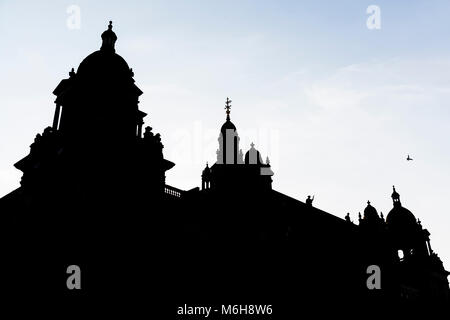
(228, 107)
(109, 39)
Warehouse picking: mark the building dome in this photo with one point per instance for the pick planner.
(253, 156)
(401, 219)
(105, 63)
(370, 213)
(228, 125)
(101, 63)
(401, 222)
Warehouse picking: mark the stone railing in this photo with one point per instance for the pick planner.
(172, 191)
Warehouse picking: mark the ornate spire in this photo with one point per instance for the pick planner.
(228, 107)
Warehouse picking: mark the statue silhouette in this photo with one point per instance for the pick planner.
(309, 200)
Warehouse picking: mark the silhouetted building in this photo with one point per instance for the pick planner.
(93, 193)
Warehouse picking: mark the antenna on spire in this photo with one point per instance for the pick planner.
(228, 107)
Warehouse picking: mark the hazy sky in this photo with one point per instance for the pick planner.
(335, 105)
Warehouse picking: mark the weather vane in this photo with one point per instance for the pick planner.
(228, 107)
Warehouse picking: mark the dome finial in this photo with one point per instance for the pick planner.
(110, 25)
(228, 107)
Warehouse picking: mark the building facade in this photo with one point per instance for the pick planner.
(93, 193)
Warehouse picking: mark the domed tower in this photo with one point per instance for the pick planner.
(406, 233)
(229, 152)
(100, 100)
(420, 268)
(231, 173)
(96, 139)
(259, 173)
(371, 217)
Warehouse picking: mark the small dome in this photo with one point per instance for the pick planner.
(402, 225)
(370, 213)
(228, 125)
(207, 171)
(253, 156)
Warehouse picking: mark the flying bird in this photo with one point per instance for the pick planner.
(408, 158)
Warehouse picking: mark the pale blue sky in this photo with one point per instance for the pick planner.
(336, 106)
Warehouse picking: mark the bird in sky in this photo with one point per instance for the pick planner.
(408, 158)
